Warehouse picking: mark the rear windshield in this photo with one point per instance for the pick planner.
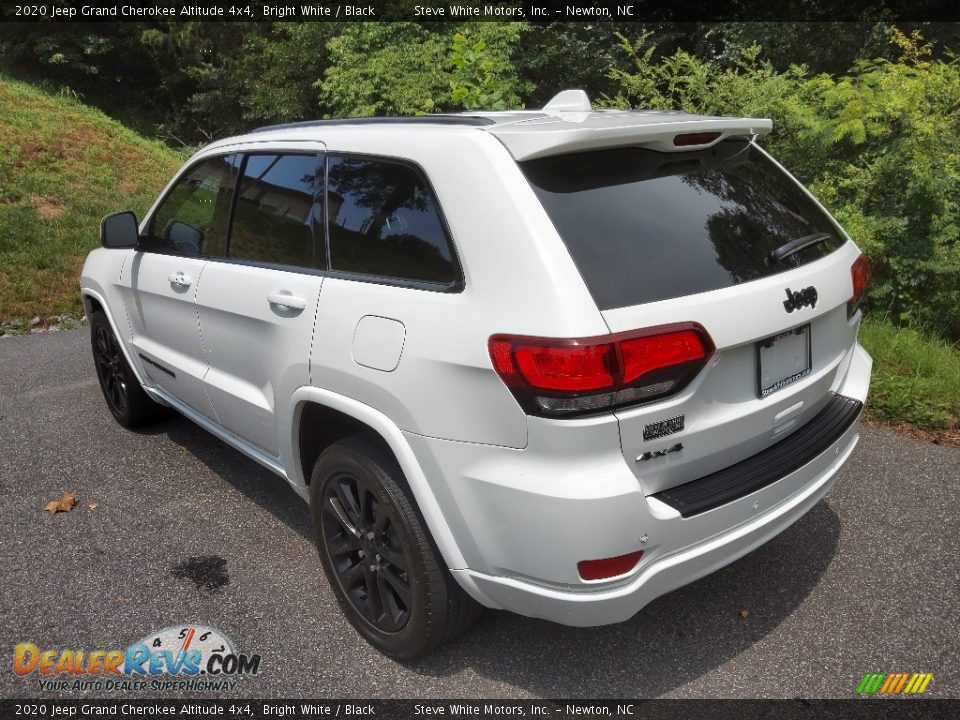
(643, 225)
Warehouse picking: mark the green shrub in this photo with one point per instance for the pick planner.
(406, 68)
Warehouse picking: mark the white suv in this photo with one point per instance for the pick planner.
(558, 362)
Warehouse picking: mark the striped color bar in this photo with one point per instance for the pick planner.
(894, 683)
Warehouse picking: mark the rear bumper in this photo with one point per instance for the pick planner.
(766, 467)
(671, 570)
(524, 518)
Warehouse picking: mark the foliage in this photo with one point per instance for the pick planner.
(184, 81)
(187, 81)
(385, 69)
(916, 377)
(483, 74)
(64, 166)
(890, 132)
(563, 55)
(290, 59)
(101, 63)
(822, 46)
(413, 68)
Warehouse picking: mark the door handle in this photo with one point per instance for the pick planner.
(285, 300)
(180, 279)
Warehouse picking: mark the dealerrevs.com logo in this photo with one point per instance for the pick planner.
(181, 657)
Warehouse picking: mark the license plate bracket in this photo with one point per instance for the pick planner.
(783, 359)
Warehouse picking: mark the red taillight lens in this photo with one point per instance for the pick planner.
(608, 567)
(701, 138)
(572, 367)
(860, 274)
(645, 354)
(566, 376)
(501, 352)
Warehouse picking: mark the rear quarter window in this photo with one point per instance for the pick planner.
(643, 226)
(384, 221)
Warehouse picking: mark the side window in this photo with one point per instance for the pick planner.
(192, 219)
(277, 216)
(383, 220)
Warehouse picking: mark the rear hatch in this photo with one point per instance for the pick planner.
(723, 237)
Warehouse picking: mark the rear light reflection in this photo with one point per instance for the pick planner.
(608, 567)
(558, 376)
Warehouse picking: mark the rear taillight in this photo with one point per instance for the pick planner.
(551, 376)
(860, 274)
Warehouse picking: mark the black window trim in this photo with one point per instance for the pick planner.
(457, 285)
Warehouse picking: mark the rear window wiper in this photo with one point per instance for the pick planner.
(794, 246)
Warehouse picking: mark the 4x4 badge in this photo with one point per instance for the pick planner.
(660, 453)
(796, 300)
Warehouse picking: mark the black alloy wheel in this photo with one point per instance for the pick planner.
(126, 399)
(110, 370)
(385, 570)
(366, 552)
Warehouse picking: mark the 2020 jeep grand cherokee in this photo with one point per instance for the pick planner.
(558, 362)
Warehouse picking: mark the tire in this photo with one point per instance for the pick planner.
(403, 600)
(125, 398)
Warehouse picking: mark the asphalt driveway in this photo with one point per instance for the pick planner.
(868, 581)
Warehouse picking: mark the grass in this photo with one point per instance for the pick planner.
(63, 166)
(916, 378)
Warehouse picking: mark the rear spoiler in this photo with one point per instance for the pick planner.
(566, 133)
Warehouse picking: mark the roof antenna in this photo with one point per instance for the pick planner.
(569, 101)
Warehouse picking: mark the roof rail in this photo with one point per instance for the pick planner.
(416, 120)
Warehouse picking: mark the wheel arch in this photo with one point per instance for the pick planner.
(345, 416)
(95, 302)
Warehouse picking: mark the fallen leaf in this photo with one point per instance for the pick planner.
(64, 504)
(183, 449)
(92, 506)
(744, 613)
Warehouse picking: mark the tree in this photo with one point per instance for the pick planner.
(386, 69)
(411, 68)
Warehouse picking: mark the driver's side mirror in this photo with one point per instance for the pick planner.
(119, 230)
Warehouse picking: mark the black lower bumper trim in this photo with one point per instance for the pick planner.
(765, 468)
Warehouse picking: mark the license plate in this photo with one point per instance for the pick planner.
(783, 359)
